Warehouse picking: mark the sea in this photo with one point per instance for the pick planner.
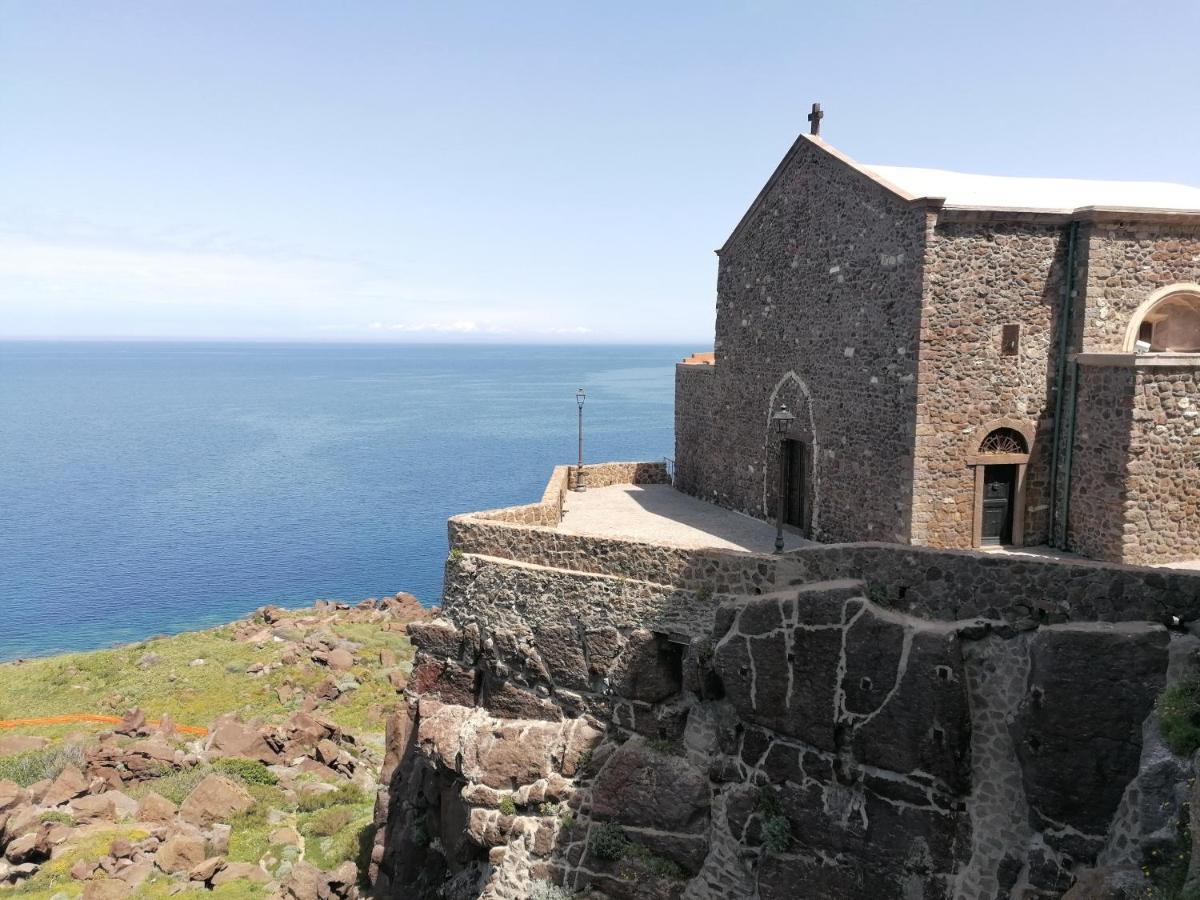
(152, 488)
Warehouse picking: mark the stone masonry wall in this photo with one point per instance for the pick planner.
(696, 424)
(818, 305)
(980, 277)
(1163, 501)
(816, 742)
(1126, 264)
(1100, 461)
(1135, 488)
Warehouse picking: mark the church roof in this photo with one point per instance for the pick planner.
(960, 189)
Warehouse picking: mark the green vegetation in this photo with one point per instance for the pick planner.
(174, 786)
(658, 866)
(346, 794)
(607, 841)
(55, 817)
(1178, 709)
(665, 746)
(544, 890)
(158, 676)
(251, 771)
(337, 834)
(1167, 865)
(508, 806)
(35, 765)
(776, 829)
(55, 874)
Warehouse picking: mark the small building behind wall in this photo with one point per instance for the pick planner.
(971, 360)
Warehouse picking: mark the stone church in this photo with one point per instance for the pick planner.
(971, 361)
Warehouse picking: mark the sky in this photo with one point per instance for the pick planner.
(518, 171)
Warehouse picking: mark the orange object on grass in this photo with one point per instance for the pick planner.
(83, 717)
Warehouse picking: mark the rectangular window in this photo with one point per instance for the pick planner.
(1010, 340)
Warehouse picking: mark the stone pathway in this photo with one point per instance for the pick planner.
(661, 514)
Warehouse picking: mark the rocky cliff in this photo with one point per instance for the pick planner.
(830, 739)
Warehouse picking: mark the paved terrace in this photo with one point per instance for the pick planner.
(661, 514)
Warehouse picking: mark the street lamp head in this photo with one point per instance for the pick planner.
(783, 419)
(580, 396)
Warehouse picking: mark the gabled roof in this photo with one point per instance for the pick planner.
(1001, 194)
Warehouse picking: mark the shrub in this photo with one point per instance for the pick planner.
(665, 746)
(607, 841)
(777, 834)
(455, 555)
(508, 806)
(36, 765)
(544, 890)
(1178, 709)
(346, 795)
(250, 771)
(330, 821)
(55, 817)
(657, 865)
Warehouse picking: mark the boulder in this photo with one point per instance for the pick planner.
(12, 795)
(83, 870)
(135, 875)
(133, 723)
(180, 853)
(205, 870)
(69, 784)
(29, 847)
(647, 789)
(305, 882)
(156, 808)
(21, 743)
(231, 737)
(106, 889)
(218, 839)
(340, 660)
(215, 799)
(240, 871)
(93, 808)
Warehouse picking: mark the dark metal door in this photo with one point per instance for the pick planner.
(998, 484)
(797, 478)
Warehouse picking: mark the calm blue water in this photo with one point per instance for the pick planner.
(153, 488)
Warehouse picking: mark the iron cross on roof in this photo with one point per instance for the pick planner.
(815, 118)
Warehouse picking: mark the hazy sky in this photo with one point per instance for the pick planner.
(510, 171)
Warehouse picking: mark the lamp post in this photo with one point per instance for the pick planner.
(580, 484)
(782, 420)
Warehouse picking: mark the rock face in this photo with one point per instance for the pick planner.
(810, 743)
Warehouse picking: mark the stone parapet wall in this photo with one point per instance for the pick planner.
(548, 511)
(941, 584)
(613, 473)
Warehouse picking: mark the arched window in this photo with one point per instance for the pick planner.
(1004, 440)
(1168, 324)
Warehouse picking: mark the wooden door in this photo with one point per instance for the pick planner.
(796, 460)
(999, 487)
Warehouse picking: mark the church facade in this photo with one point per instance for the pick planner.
(970, 361)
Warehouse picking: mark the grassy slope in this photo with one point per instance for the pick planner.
(111, 682)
